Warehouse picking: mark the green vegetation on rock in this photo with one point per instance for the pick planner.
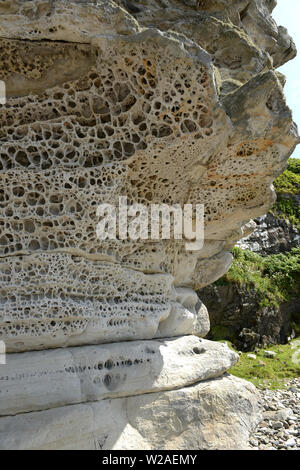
(289, 180)
(267, 372)
(219, 332)
(286, 208)
(275, 278)
(287, 188)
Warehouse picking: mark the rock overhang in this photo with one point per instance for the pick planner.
(137, 114)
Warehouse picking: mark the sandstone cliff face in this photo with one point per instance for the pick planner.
(169, 102)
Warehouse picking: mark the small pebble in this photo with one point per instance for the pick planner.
(269, 354)
(290, 442)
(251, 356)
(277, 425)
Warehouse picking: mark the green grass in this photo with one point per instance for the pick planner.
(289, 180)
(287, 209)
(274, 278)
(275, 371)
(288, 183)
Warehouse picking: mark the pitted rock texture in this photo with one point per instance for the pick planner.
(52, 300)
(127, 107)
(163, 102)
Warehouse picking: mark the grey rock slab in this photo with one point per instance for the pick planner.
(214, 414)
(39, 380)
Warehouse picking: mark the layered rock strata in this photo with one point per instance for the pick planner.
(173, 102)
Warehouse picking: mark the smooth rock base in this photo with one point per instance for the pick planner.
(216, 414)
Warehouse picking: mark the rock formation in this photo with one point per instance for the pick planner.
(242, 311)
(237, 314)
(272, 235)
(161, 101)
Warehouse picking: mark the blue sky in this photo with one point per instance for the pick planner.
(287, 13)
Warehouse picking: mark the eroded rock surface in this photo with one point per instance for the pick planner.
(174, 102)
